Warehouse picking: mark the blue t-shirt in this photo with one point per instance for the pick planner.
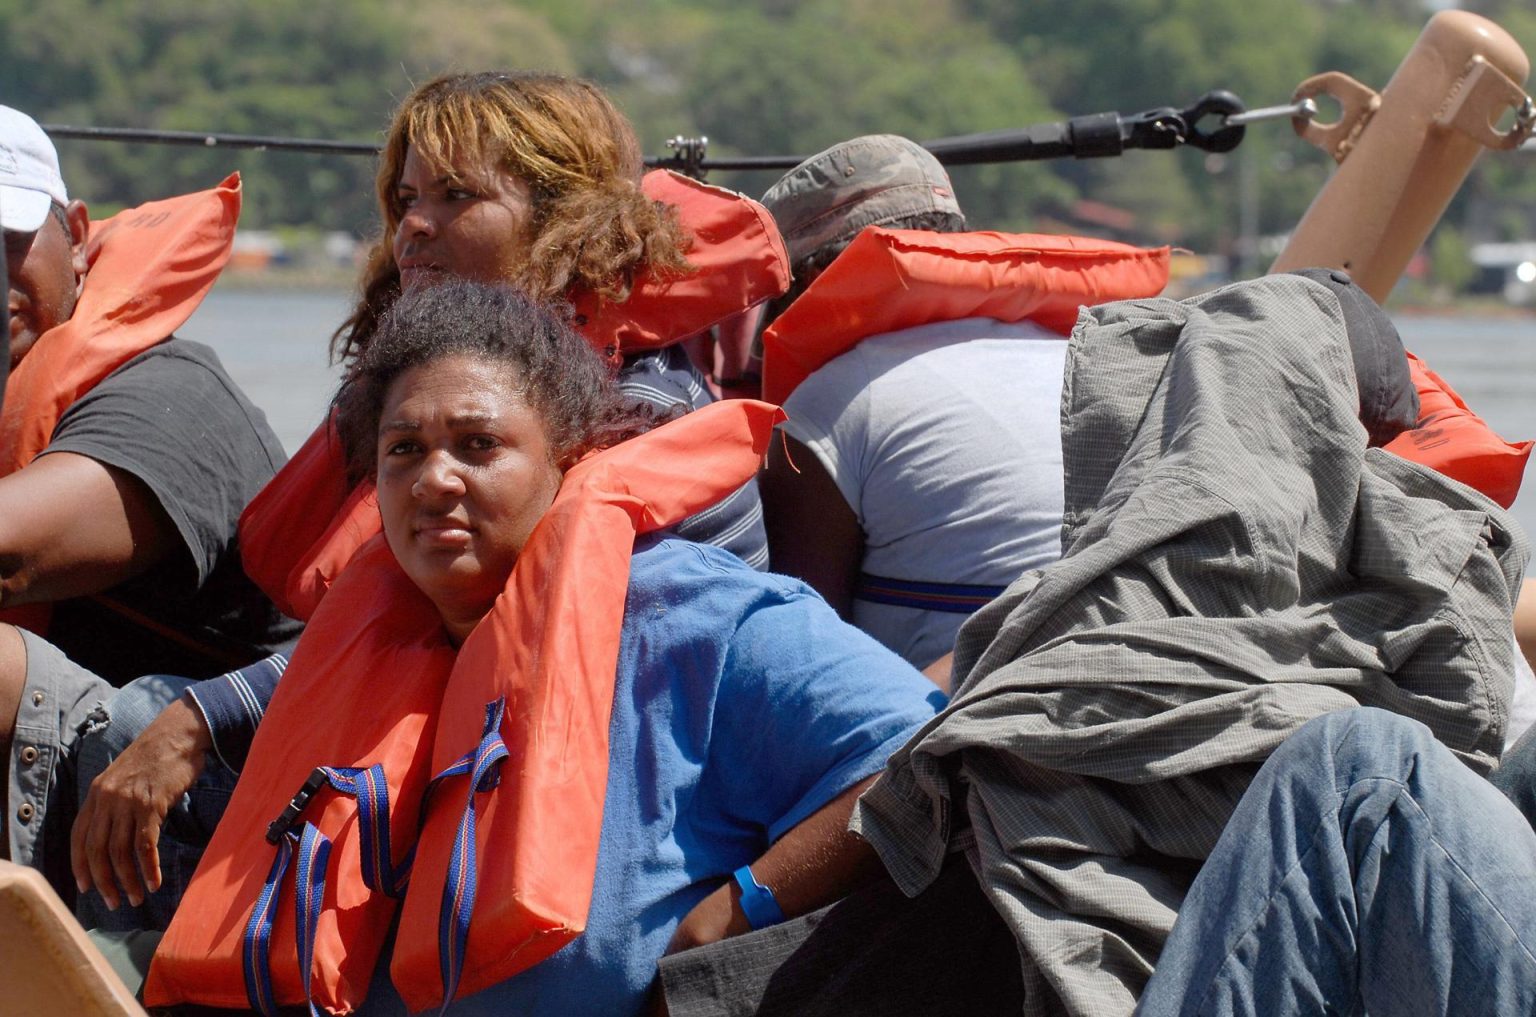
(743, 705)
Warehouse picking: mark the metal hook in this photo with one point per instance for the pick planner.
(1223, 105)
(688, 155)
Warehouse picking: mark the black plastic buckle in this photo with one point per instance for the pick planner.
(279, 827)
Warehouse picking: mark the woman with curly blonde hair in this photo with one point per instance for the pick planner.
(534, 179)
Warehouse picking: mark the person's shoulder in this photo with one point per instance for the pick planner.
(175, 353)
(671, 569)
(664, 378)
(188, 375)
(945, 337)
(177, 363)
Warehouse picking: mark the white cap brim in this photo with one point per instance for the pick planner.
(23, 210)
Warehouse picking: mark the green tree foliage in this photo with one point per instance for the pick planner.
(837, 69)
(759, 77)
(1450, 261)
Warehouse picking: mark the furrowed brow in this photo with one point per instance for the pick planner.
(463, 420)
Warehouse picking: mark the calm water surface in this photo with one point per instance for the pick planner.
(274, 344)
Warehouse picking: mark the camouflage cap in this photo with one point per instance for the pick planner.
(869, 181)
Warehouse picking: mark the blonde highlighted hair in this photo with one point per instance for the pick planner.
(592, 227)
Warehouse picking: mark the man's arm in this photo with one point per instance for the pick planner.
(1525, 620)
(116, 833)
(71, 526)
(813, 534)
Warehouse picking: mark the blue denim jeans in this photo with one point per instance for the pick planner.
(1365, 870)
(188, 826)
(1516, 775)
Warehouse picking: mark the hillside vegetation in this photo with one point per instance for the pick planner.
(756, 77)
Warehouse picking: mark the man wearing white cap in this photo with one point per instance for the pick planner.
(46, 266)
(124, 523)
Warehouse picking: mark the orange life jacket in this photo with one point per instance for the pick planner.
(738, 261)
(894, 279)
(375, 683)
(1452, 439)
(149, 269)
(307, 522)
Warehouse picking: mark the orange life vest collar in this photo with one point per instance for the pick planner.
(894, 279)
(738, 261)
(149, 268)
(1455, 441)
(373, 681)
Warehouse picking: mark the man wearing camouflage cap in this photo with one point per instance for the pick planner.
(926, 463)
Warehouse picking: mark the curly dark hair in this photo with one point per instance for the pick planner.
(557, 372)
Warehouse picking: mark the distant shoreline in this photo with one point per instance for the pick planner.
(340, 279)
(298, 277)
(1467, 307)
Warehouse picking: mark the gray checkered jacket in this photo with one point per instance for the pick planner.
(1236, 562)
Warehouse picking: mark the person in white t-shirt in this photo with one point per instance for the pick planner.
(920, 472)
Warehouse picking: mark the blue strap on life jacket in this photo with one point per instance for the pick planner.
(311, 850)
(952, 598)
(483, 765)
(367, 785)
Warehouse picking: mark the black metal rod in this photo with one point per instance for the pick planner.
(273, 143)
(201, 140)
(1080, 136)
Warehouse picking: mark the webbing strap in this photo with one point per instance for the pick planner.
(954, 598)
(367, 785)
(309, 851)
(458, 906)
(312, 850)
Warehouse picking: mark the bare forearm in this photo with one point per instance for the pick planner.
(1525, 620)
(941, 672)
(116, 834)
(814, 864)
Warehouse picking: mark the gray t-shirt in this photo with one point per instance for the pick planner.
(174, 419)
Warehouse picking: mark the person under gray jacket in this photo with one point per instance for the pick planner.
(1238, 559)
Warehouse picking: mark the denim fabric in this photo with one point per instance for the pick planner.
(188, 826)
(1365, 870)
(1516, 775)
(59, 701)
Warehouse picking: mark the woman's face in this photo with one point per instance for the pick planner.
(465, 220)
(465, 473)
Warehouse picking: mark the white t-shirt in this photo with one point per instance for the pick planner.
(1522, 705)
(945, 440)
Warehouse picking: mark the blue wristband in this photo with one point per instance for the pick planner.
(757, 901)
